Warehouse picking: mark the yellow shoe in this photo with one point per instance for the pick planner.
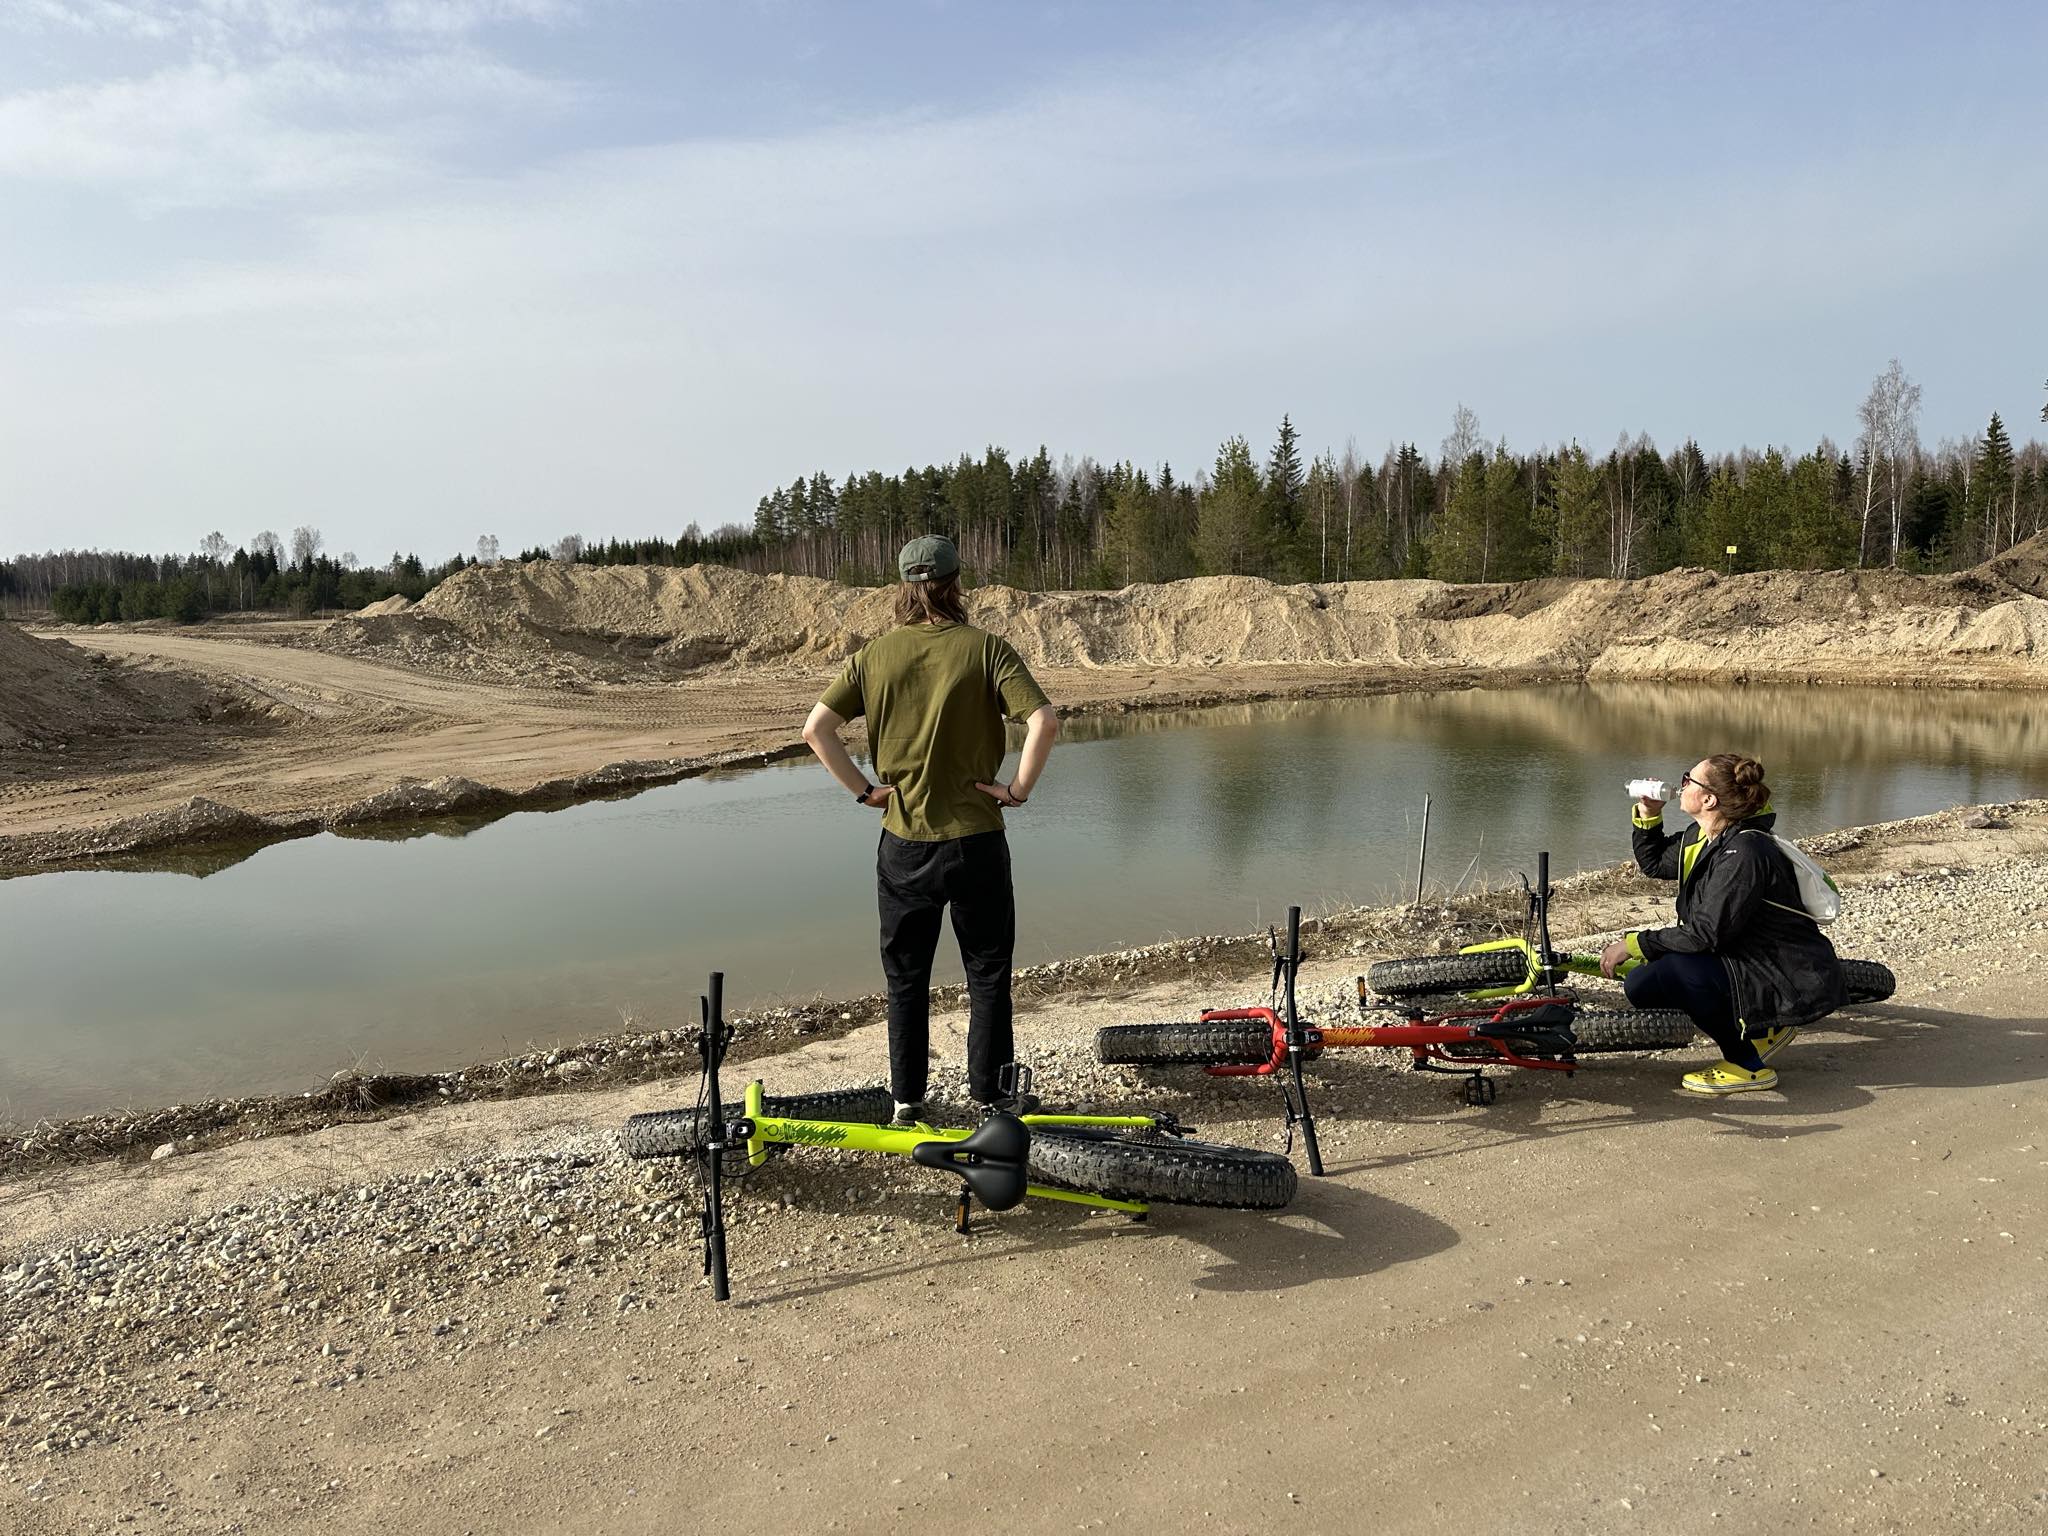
(1726, 1077)
(1773, 1041)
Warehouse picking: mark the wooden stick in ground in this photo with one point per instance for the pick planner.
(1422, 853)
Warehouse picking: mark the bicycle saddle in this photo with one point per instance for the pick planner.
(992, 1160)
(1542, 1019)
(1545, 1030)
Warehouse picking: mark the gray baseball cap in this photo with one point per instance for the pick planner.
(930, 558)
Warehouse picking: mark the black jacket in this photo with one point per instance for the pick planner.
(1738, 899)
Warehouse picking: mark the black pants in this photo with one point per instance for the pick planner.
(1698, 986)
(913, 882)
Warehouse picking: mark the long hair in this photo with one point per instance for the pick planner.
(1738, 783)
(929, 602)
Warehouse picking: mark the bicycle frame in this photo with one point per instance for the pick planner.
(1430, 1039)
(760, 1131)
(1542, 965)
(752, 1132)
(1561, 963)
(1293, 1042)
(1448, 1042)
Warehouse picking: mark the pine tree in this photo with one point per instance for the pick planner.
(1401, 500)
(1130, 515)
(1230, 531)
(1460, 548)
(1579, 513)
(1991, 482)
(1284, 482)
(1814, 535)
(1510, 541)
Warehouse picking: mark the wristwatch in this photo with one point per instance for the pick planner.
(862, 797)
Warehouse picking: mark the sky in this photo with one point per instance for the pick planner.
(413, 271)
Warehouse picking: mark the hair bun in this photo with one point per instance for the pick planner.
(1748, 772)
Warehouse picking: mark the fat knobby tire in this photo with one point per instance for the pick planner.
(1447, 973)
(1632, 1029)
(1867, 981)
(1221, 1043)
(1154, 1167)
(674, 1132)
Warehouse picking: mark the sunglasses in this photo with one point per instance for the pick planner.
(1686, 778)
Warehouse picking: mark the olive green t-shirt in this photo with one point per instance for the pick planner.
(935, 696)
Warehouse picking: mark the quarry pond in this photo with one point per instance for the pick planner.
(438, 945)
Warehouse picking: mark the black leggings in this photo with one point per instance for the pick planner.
(1697, 985)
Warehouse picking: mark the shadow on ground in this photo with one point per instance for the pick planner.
(1330, 1232)
(1841, 1068)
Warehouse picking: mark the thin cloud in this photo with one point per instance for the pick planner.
(253, 23)
(1358, 219)
(202, 135)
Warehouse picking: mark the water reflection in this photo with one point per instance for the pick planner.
(421, 946)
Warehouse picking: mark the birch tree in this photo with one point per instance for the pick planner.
(1890, 414)
(1624, 500)
(1347, 479)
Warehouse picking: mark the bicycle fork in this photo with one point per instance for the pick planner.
(1292, 1043)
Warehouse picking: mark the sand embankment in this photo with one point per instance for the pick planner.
(55, 695)
(520, 685)
(521, 622)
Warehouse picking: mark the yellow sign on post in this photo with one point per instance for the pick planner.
(1731, 549)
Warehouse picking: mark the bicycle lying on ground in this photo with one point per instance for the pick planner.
(1523, 1025)
(1511, 967)
(1111, 1162)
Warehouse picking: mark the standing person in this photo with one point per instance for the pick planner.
(936, 691)
(1744, 960)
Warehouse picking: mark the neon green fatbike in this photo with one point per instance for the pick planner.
(1110, 1162)
(1524, 966)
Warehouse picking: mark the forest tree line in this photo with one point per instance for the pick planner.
(1475, 511)
(263, 576)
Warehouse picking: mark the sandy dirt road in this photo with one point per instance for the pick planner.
(1597, 1305)
(345, 728)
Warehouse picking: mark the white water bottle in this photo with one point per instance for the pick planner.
(1647, 789)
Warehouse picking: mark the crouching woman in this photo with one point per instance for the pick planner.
(1744, 959)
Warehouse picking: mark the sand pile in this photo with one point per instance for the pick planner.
(53, 695)
(57, 698)
(398, 602)
(566, 621)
